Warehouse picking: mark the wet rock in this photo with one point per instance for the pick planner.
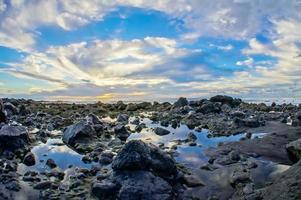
(161, 131)
(13, 137)
(193, 181)
(208, 167)
(136, 185)
(106, 158)
(51, 163)
(286, 186)
(77, 132)
(251, 123)
(137, 155)
(105, 190)
(43, 185)
(240, 177)
(123, 118)
(238, 114)
(294, 150)
(121, 132)
(29, 159)
(192, 137)
(209, 107)
(181, 102)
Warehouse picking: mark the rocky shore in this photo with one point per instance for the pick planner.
(218, 148)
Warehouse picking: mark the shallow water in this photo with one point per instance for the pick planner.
(188, 155)
(55, 149)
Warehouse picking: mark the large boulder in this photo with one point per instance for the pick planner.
(137, 155)
(13, 137)
(77, 132)
(294, 150)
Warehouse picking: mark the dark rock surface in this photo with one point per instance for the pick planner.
(78, 132)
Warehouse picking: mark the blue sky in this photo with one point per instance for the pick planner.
(149, 50)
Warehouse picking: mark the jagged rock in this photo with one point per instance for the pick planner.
(294, 150)
(137, 155)
(181, 102)
(12, 137)
(77, 132)
(161, 131)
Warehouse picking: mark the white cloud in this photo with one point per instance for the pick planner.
(248, 62)
(227, 18)
(2, 6)
(223, 48)
(100, 62)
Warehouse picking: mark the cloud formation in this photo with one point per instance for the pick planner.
(270, 63)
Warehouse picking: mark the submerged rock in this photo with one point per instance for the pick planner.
(161, 131)
(29, 159)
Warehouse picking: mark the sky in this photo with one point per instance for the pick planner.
(106, 50)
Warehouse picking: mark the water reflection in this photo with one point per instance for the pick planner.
(189, 155)
(59, 152)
